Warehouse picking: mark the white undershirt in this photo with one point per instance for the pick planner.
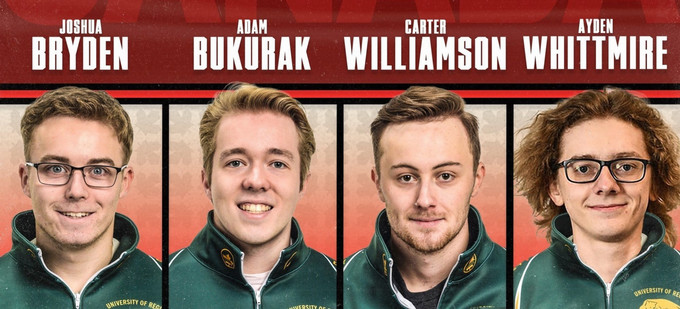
(257, 280)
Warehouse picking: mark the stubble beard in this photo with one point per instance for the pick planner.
(427, 242)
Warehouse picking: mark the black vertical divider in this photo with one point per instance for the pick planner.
(165, 195)
(509, 201)
(339, 198)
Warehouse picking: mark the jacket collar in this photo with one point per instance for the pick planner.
(23, 231)
(221, 255)
(565, 249)
(479, 247)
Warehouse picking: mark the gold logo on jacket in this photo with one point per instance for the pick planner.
(659, 304)
(228, 258)
(384, 264)
(290, 259)
(470, 265)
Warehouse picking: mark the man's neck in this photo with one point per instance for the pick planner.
(423, 271)
(76, 266)
(606, 258)
(262, 257)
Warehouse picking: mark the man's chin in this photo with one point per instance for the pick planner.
(425, 243)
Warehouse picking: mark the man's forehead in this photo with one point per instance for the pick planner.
(75, 139)
(602, 138)
(260, 131)
(431, 142)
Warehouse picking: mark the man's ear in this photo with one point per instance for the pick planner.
(555, 193)
(206, 184)
(653, 196)
(128, 176)
(23, 176)
(376, 180)
(479, 177)
(304, 184)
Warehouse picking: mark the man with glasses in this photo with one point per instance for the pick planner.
(72, 249)
(601, 172)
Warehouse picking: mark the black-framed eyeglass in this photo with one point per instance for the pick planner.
(626, 170)
(59, 174)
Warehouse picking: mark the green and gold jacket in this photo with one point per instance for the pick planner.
(477, 280)
(557, 278)
(131, 280)
(209, 274)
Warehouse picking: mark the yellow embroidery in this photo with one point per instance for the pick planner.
(470, 265)
(227, 258)
(289, 260)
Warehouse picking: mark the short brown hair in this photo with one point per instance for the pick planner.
(420, 103)
(539, 151)
(81, 103)
(242, 97)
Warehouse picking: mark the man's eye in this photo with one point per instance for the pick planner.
(625, 167)
(279, 164)
(446, 176)
(234, 163)
(584, 169)
(55, 169)
(406, 178)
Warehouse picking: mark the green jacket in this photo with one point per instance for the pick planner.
(556, 277)
(131, 280)
(476, 281)
(209, 274)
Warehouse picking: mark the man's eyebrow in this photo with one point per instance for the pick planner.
(440, 165)
(619, 155)
(54, 158)
(403, 165)
(585, 156)
(445, 164)
(106, 161)
(629, 154)
(230, 152)
(281, 152)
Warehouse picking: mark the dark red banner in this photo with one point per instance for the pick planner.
(293, 41)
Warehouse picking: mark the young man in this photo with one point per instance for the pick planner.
(430, 249)
(601, 172)
(73, 250)
(257, 147)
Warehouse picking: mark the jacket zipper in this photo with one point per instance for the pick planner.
(403, 301)
(258, 298)
(608, 286)
(77, 296)
(447, 282)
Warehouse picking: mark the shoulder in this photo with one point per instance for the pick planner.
(183, 261)
(665, 257)
(321, 262)
(533, 268)
(142, 262)
(357, 266)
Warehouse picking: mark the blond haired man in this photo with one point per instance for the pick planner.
(257, 147)
(72, 249)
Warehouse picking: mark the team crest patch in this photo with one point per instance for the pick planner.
(470, 265)
(384, 264)
(290, 259)
(227, 258)
(659, 304)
